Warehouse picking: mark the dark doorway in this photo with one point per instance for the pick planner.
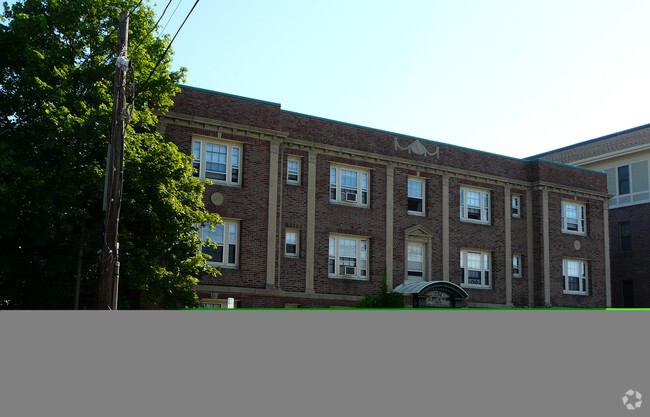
(628, 294)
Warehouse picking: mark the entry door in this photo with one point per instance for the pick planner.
(415, 262)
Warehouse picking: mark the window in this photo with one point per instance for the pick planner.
(575, 276)
(291, 243)
(624, 180)
(349, 185)
(475, 205)
(415, 196)
(516, 210)
(226, 236)
(415, 261)
(211, 303)
(217, 161)
(293, 170)
(475, 269)
(573, 218)
(516, 266)
(348, 257)
(624, 230)
(630, 183)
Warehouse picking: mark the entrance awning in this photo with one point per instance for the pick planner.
(434, 294)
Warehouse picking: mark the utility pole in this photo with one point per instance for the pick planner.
(110, 265)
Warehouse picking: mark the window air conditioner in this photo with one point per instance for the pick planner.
(352, 197)
(348, 270)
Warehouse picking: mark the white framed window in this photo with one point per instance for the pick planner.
(348, 257)
(516, 206)
(573, 218)
(416, 196)
(475, 205)
(226, 236)
(349, 185)
(475, 269)
(218, 161)
(415, 262)
(516, 266)
(291, 240)
(293, 170)
(575, 276)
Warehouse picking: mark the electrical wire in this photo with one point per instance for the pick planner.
(170, 17)
(155, 26)
(166, 50)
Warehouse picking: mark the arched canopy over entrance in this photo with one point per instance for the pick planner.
(434, 294)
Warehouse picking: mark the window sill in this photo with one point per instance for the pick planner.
(475, 221)
(293, 183)
(352, 278)
(477, 287)
(291, 255)
(221, 266)
(416, 213)
(342, 203)
(225, 184)
(571, 232)
(574, 293)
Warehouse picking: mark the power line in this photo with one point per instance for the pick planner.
(170, 17)
(155, 26)
(166, 50)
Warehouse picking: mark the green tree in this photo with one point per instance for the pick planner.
(56, 90)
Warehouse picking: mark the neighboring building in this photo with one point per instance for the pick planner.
(316, 212)
(624, 157)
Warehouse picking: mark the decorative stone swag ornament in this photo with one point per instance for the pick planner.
(417, 148)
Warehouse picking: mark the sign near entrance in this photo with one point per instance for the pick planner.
(437, 299)
(434, 294)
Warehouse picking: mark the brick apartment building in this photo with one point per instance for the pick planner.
(624, 157)
(316, 212)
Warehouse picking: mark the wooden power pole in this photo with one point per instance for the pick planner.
(110, 265)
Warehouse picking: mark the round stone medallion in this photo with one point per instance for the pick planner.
(576, 245)
(217, 199)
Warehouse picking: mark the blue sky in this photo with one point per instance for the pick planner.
(509, 77)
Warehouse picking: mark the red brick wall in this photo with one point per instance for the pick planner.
(270, 116)
(350, 220)
(250, 204)
(432, 221)
(519, 245)
(293, 202)
(592, 249)
(633, 265)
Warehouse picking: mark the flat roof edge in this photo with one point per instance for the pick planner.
(564, 165)
(585, 142)
(221, 93)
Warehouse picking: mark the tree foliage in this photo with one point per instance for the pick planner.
(56, 86)
(384, 299)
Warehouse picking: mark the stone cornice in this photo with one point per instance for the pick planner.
(220, 126)
(543, 185)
